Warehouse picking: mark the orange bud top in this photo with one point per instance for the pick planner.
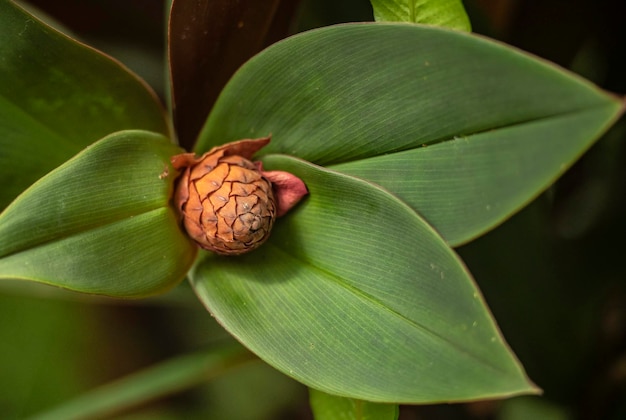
(225, 203)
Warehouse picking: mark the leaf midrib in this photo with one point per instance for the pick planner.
(66, 234)
(369, 298)
(618, 109)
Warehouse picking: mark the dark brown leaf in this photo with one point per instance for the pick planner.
(208, 41)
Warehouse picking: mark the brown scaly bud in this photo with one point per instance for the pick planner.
(226, 202)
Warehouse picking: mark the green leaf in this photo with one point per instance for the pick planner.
(100, 223)
(524, 408)
(447, 13)
(355, 295)
(466, 185)
(499, 125)
(58, 96)
(158, 381)
(331, 407)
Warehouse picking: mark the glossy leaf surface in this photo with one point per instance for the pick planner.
(357, 296)
(100, 223)
(366, 98)
(331, 407)
(446, 13)
(56, 97)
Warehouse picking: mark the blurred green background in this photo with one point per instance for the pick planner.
(553, 274)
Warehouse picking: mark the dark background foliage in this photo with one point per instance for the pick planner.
(553, 274)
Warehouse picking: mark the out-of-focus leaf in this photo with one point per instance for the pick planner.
(332, 407)
(263, 392)
(355, 295)
(499, 125)
(100, 223)
(208, 41)
(447, 13)
(157, 381)
(42, 340)
(56, 97)
(523, 408)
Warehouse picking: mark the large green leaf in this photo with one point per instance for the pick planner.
(466, 185)
(448, 13)
(500, 125)
(331, 407)
(58, 96)
(355, 295)
(100, 223)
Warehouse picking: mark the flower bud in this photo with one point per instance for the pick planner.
(226, 202)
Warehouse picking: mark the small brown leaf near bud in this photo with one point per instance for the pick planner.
(226, 202)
